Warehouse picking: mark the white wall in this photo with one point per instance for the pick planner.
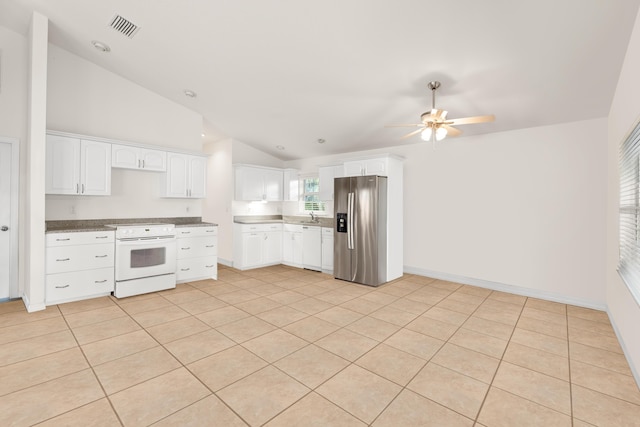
(625, 113)
(86, 99)
(13, 117)
(524, 208)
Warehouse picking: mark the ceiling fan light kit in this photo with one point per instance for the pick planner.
(435, 123)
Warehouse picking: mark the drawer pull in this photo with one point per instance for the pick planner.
(209, 246)
(185, 269)
(186, 249)
(185, 232)
(63, 259)
(209, 231)
(102, 237)
(62, 287)
(63, 240)
(209, 266)
(101, 256)
(100, 281)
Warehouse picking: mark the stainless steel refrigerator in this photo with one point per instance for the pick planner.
(360, 235)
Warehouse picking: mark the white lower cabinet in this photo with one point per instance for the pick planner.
(256, 245)
(197, 253)
(311, 248)
(292, 245)
(327, 249)
(78, 266)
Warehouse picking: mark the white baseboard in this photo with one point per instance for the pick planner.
(226, 262)
(518, 290)
(634, 371)
(32, 307)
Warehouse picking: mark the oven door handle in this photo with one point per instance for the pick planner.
(145, 242)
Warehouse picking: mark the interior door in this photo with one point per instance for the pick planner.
(8, 219)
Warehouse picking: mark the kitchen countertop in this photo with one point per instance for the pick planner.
(279, 219)
(84, 225)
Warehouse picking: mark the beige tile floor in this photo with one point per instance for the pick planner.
(286, 347)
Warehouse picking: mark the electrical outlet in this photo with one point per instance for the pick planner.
(73, 209)
(188, 208)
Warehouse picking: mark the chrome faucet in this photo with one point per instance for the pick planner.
(313, 217)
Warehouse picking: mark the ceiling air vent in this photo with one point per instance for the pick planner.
(124, 26)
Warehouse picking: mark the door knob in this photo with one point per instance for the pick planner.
(4, 228)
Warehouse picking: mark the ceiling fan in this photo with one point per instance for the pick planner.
(435, 122)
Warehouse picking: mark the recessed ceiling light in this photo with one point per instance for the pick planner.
(203, 135)
(102, 47)
(190, 93)
(321, 141)
(280, 147)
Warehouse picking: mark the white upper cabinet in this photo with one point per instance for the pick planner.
(255, 183)
(367, 167)
(326, 175)
(186, 176)
(75, 166)
(129, 157)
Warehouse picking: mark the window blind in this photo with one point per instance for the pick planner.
(629, 262)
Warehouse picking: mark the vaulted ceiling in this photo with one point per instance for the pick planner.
(289, 72)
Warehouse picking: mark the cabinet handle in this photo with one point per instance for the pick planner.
(102, 237)
(101, 256)
(209, 231)
(185, 249)
(209, 246)
(143, 164)
(100, 281)
(77, 189)
(266, 237)
(185, 232)
(138, 163)
(62, 287)
(63, 259)
(82, 188)
(185, 269)
(209, 266)
(63, 240)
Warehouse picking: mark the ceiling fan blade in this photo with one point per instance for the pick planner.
(472, 120)
(451, 131)
(438, 114)
(413, 133)
(404, 125)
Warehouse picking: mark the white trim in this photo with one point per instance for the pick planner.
(32, 307)
(14, 224)
(634, 372)
(226, 262)
(121, 142)
(495, 286)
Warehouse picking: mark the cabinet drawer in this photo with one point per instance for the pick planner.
(197, 268)
(295, 228)
(61, 259)
(79, 238)
(196, 231)
(78, 284)
(193, 247)
(250, 228)
(327, 232)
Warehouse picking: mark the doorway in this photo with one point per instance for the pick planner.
(9, 174)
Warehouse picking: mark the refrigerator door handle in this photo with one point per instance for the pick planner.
(350, 220)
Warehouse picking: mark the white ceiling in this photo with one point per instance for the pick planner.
(288, 72)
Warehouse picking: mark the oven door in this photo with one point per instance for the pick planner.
(145, 257)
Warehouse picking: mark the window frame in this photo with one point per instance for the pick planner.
(303, 193)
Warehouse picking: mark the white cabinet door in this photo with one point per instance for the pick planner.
(311, 248)
(355, 168)
(252, 249)
(327, 249)
(272, 185)
(287, 247)
(272, 249)
(153, 160)
(124, 156)
(197, 177)
(62, 165)
(291, 181)
(297, 249)
(95, 168)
